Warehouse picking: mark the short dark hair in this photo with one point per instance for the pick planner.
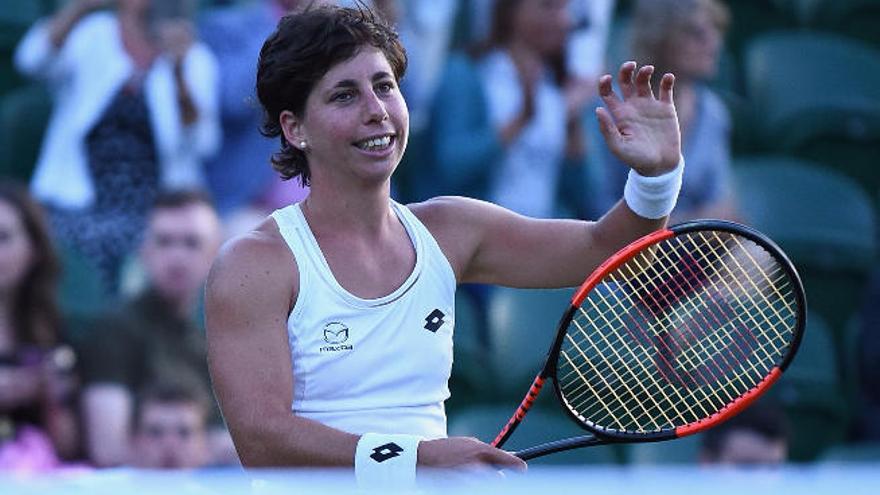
(303, 48)
(766, 419)
(183, 391)
(178, 198)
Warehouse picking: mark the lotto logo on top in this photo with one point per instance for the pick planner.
(336, 335)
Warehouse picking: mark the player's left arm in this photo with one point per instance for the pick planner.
(488, 244)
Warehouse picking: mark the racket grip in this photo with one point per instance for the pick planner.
(520, 413)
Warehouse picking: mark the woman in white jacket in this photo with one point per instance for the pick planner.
(135, 111)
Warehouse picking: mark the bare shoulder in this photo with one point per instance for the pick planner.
(252, 267)
(458, 224)
(451, 211)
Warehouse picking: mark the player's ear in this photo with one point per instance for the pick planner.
(294, 132)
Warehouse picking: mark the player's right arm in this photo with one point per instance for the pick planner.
(251, 289)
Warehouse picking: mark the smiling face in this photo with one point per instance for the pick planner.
(355, 122)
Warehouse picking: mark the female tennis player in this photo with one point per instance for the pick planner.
(330, 325)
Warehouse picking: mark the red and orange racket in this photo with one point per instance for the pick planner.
(672, 335)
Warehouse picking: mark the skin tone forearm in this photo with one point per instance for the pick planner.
(64, 21)
(188, 112)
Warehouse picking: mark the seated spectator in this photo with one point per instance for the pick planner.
(156, 335)
(758, 436)
(38, 427)
(135, 111)
(170, 426)
(683, 37)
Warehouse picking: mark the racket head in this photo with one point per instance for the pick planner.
(677, 332)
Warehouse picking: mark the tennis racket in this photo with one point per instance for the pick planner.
(674, 334)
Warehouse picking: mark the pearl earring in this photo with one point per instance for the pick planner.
(302, 145)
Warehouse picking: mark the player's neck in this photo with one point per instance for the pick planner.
(358, 210)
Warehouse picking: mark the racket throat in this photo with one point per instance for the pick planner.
(520, 413)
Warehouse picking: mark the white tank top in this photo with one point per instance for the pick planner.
(371, 365)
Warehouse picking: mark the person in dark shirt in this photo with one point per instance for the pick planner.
(156, 335)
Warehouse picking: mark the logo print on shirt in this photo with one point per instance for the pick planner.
(336, 334)
(434, 321)
(384, 452)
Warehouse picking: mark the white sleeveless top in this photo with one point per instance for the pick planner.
(371, 365)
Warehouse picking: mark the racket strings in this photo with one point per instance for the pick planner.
(612, 310)
(677, 333)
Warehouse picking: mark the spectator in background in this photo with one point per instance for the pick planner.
(135, 110)
(37, 421)
(238, 176)
(500, 129)
(170, 426)
(156, 336)
(683, 37)
(758, 436)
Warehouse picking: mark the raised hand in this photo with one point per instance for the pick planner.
(641, 130)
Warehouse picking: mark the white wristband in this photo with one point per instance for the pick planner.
(386, 460)
(653, 197)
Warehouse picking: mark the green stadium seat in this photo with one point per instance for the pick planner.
(811, 393)
(81, 294)
(684, 450)
(24, 115)
(858, 19)
(522, 324)
(542, 424)
(825, 223)
(817, 96)
(847, 453)
(750, 18)
(16, 16)
(471, 377)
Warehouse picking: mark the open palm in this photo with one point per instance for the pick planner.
(641, 130)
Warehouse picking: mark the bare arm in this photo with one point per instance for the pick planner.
(107, 411)
(65, 19)
(248, 298)
(249, 294)
(489, 244)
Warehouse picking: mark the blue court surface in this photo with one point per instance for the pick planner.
(831, 479)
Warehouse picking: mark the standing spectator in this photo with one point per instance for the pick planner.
(155, 336)
(170, 426)
(684, 37)
(37, 421)
(135, 110)
(499, 130)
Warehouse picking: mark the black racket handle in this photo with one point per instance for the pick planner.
(558, 446)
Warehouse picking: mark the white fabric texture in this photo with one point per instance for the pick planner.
(371, 365)
(653, 197)
(85, 74)
(386, 461)
(526, 180)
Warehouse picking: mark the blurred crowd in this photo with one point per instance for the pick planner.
(150, 156)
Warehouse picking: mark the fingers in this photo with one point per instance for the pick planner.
(607, 127)
(643, 81)
(625, 79)
(666, 85)
(505, 460)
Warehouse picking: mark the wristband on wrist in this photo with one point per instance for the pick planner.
(653, 197)
(383, 460)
